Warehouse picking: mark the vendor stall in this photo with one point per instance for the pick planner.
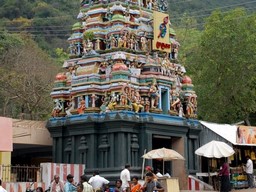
(243, 141)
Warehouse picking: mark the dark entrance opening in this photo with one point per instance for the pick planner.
(164, 100)
(160, 141)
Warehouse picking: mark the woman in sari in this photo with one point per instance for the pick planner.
(135, 186)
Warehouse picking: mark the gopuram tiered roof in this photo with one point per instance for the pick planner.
(123, 56)
(122, 91)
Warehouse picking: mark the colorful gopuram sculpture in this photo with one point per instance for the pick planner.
(124, 56)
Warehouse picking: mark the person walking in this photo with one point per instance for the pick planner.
(1, 188)
(69, 186)
(97, 181)
(57, 185)
(87, 187)
(126, 178)
(249, 171)
(224, 174)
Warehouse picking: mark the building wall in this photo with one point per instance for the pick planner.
(6, 137)
(31, 132)
(108, 141)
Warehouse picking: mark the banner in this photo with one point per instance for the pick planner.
(246, 135)
(161, 39)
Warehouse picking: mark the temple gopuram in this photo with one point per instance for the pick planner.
(123, 91)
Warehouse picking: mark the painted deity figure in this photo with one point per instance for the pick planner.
(97, 47)
(126, 95)
(147, 104)
(57, 108)
(70, 107)
(136, 102)
(125, 40)
(81, 107)
(154, 95)
(94, 98)
(175, 100)
(120, 42)
(89, 46)
(136, 44)
(113, 41)
(191, 107)
(103, 107)
(123, 100)
(143, 41)
(170, 68)
(131, 42)
(112, 104)
(107, 42)
(102, 68)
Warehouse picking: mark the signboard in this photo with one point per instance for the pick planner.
(246, 135)
(161, 39)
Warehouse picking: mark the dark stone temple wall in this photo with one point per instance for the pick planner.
(108, 141)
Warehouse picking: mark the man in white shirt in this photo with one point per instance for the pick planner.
(97, 182)
(126, 178)
(249, 171)
(1, 188)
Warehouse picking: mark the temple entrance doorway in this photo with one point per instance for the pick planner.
(160, 141)
(174, 168)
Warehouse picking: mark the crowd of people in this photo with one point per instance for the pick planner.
(97, 183)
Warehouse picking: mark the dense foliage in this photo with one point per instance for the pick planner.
(224, 67)
(49, 21)
(26, 78)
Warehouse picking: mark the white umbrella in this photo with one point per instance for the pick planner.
(163, 154)
(215, 149)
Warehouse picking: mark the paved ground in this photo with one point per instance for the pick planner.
(244, 190)
(233, 190)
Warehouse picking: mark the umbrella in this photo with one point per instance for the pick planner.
(163, 154)
(215, 149)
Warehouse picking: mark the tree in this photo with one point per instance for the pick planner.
(188, 36)
(26, 77)
(225, 67)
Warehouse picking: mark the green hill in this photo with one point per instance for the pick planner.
(49, 21)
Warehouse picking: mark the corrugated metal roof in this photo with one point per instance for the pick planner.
(226, 131)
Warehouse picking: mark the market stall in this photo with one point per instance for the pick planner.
(243, 141)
